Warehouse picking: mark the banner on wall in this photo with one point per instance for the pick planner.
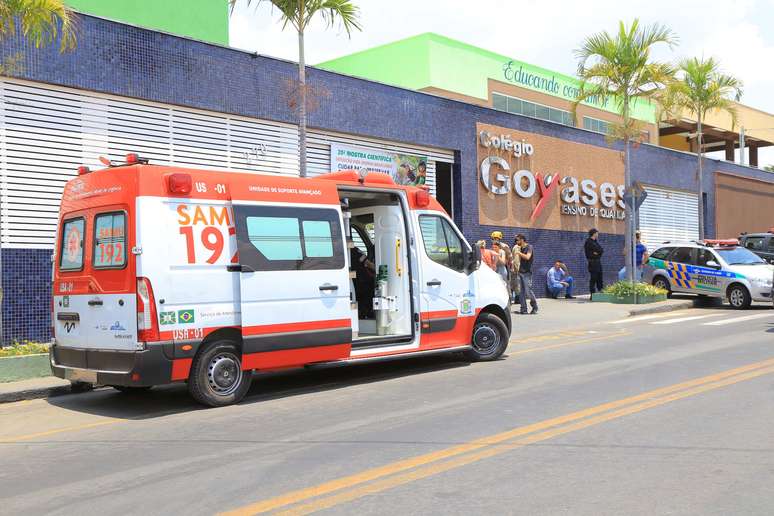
(405, 169)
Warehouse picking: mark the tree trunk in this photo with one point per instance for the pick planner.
(630, 223)
(700, 181)
(301, 105)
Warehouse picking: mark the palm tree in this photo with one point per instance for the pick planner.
(619, 67)
(701, 89)
(40, 21)
(299, 13)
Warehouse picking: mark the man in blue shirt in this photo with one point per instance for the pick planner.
(559, 279)
(641, 257)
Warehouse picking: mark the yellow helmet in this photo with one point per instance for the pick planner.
(497, 234)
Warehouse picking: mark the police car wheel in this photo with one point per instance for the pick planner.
(489, 339)
(739, 297)
(662, 283)
(216, 378)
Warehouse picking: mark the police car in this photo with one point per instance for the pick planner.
(713, 268)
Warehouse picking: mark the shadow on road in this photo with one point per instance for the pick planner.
(173, 399)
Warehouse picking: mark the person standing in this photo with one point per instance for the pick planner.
(594, 253)
(487, 255)
(526, 257)
(641, 259)
(515, 262)
(502, 256)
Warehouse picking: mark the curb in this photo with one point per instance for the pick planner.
(33, 394)
(661, 309)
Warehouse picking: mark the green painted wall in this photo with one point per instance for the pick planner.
(431, 60)
(205, 20)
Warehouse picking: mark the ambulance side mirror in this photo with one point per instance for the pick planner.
(472, 259)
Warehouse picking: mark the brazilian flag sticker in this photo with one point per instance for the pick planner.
(185, 316)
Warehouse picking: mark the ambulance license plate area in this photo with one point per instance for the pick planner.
(69, 328)
(69, 323)
(81, 375)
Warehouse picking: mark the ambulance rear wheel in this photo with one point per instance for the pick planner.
(216, 377)
(489, 339)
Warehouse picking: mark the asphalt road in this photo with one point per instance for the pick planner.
(663, 414)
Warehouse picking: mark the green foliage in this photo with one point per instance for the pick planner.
(626, 289)
(23, 348)
(701, 89)
(618, 67)
(299, 13)
(40, 21)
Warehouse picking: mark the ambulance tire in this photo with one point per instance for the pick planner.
(739, 297)
(216, 378)
(489, 339)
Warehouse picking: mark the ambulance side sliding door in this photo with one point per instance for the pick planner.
(294, 281)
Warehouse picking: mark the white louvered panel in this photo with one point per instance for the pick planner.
(668, 216)
(46, 132)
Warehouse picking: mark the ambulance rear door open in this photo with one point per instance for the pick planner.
(294, 283)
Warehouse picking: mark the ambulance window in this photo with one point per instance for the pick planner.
(274, 238)
(278, 238)
(442, 244)
(109, 241)
(71, 252)
(318, 241)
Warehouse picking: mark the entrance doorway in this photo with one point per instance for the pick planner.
(443, 186)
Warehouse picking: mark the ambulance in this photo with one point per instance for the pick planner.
(164, 274)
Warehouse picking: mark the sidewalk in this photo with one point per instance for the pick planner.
(554, 315)
(566, 314)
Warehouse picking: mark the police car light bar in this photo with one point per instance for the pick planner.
(721, 243)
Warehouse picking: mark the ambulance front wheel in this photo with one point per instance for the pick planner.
(216, 378)
(489, 339)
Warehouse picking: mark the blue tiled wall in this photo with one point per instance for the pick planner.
(129, 61)
(26, 295)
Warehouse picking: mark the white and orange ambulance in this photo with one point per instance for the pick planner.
(165, 274)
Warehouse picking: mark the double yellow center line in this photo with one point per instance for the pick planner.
(346, 489)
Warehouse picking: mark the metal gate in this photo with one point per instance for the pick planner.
(668, 216)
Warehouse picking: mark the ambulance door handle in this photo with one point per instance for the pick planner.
(328, 287)
(95, 302)
(239, 268)
(434, 283)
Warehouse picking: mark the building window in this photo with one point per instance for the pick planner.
(527, 108)
(593, 124)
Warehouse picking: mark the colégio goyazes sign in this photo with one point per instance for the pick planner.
(531, 180)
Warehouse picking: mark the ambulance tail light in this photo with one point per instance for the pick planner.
(147, 322)
(422, 198)
(179, 184)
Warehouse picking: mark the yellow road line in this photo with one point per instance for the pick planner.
(55, 431)
(380, 472)
(492, 451)
(122, 420)
(571, 343)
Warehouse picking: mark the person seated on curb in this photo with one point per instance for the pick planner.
(558, 279)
